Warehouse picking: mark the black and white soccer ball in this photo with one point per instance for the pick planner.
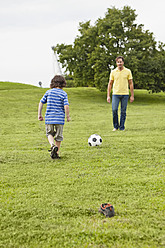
(94, 140)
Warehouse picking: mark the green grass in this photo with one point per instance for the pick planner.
(47, 203)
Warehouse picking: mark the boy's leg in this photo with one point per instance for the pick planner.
(58, 135)
(50, 133)
(51, 139)
(58, 144)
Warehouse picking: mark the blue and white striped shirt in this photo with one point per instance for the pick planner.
(56, 99)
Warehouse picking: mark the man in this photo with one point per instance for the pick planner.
(120, 78)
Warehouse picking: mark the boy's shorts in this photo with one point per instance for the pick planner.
(56, 130)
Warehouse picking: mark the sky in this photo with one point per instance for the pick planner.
(29, 28)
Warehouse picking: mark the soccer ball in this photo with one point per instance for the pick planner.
(94, 140)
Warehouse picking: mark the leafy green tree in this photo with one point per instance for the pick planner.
(75, 58)
(92, 56)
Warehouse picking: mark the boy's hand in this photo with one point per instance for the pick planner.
(40, 118)
(68, 119)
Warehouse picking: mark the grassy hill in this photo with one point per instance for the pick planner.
(47, 203)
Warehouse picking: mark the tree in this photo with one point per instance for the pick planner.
(93, 53)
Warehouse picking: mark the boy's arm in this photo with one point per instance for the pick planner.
(109, 90)
(131, 89)
(40, 118)
(67, 112)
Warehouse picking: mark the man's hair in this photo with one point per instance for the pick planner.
(58, 81)
(120, 57)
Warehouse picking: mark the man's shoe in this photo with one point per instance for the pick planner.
(115, 129)
(54, 150)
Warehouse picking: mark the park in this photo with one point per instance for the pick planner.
(54, 203)
(48, 201)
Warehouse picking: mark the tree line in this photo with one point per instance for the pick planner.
(89, 60)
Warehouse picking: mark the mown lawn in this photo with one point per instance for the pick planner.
(54, 203)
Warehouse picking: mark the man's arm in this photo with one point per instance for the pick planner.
(131, 89)
(109, 90)
(67, 112)
(40, 118)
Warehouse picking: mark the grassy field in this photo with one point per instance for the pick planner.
(54, 203)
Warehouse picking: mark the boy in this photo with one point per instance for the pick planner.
(57, 107)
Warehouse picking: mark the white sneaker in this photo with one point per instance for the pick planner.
(115, 129)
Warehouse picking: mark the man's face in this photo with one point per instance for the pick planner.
(120, 63)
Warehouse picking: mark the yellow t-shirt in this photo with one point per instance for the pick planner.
(120, 78)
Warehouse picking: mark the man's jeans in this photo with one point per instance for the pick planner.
(115, 104)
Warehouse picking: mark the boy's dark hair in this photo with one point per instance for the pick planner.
(58, 81)
(120, 57)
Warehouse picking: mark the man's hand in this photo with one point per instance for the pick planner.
(131, 89)
(109, 90)
(131, 98)
(108, 99)
(40, 118)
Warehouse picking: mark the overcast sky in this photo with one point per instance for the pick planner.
(29, 28)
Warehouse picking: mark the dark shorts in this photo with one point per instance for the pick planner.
(56, 130)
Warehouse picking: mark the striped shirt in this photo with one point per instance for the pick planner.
(56, 99)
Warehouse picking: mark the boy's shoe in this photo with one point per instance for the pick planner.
(57, 156)
(54, 150)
